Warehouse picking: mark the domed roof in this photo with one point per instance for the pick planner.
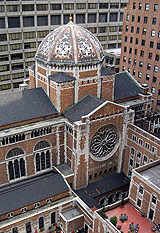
(70, 44)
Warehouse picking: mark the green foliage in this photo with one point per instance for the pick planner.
(113, 220)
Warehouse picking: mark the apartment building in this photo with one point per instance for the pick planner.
(24, 24)
(141, 44)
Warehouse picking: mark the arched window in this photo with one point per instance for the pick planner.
(16, 166)
(53, 218)
(42, 156)
(28, 227)
(15, 230)
(41, 223)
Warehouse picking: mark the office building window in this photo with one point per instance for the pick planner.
(81, 6)
(134, 72)
(114, 5)
(103, 5)
(144, 31)
(125, 38)
(155, 7)
(125, 49)
(150, 55)
(127, 17)
(121, 17)
(12, 8)
(113, 17)
(134, 5)
(13, 22)
(80, 18)
(28, 21)
(92, 18)
(147, 77)
(136, 40)
(153, 90)
(2, 22)
(129, 60)
(157, 57)
(142, 53)
(28, 7)
(135, 52)
(137, 31)
(55, 6)
(139, 19)
(153, 32)
(156, 69)
(102, 17)
(154, 21)
(148, 66)
(130, 50)
(139, 74)
(145, 19)
(131, 40)
(154, 79)
(147, 6)
(143, 43)
(140, 6)
(68, 6)
(133, 18)
(141, 64)
(41, 7)
(134, 62)
(55, 19)
(42, 20)
(151, 44)
(132, 29)
(92, 5)
(126, 28)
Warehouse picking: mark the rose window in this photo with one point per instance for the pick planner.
(105, 141)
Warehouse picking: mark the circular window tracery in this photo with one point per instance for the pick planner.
(105, 142)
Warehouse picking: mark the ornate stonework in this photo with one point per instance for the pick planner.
(70, 44)
(105, 142)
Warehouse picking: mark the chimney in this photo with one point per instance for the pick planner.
(145, 88)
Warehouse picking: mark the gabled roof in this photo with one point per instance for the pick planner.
(83, 107)
(23, 193)
(61, 77)
(25, 105)
(105, 71)
(125, 86)
(100, 187)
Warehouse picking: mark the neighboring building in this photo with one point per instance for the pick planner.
(113, 59)
(145, 190)
(24, 24)
(70, 135)
(141, 45)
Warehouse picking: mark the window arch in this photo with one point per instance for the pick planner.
(41, 223)
(42, 156)
(16, 166)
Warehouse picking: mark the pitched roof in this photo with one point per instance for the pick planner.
(125, 86)
(105, 71)
(100, 187)
(25, 105)
(61, 77)
(23, 193)
(83, 107)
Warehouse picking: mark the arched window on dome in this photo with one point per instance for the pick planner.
(16, 163)
(42, 152)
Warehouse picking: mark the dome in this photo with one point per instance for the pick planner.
(70, 44)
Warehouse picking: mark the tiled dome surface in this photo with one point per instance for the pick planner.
(70, 44)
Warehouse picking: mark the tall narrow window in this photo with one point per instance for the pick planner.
(41, 223)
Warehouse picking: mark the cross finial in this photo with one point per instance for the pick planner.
(70, 17)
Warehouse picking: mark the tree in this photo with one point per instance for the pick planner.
(113, 220)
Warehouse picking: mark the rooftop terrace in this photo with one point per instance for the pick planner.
(134, 216)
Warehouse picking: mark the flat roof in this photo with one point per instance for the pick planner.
(133, 215)
(65, 169)
(72, 213)
(152, 174)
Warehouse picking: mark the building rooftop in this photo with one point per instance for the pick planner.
(105, 71)
(100, 187)
(83, 107)
(35, 189)
(61, 77)
(152, 174)
(134, 216)
(25, 105)
(126, 86)
(72, 213)
(65, 169)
